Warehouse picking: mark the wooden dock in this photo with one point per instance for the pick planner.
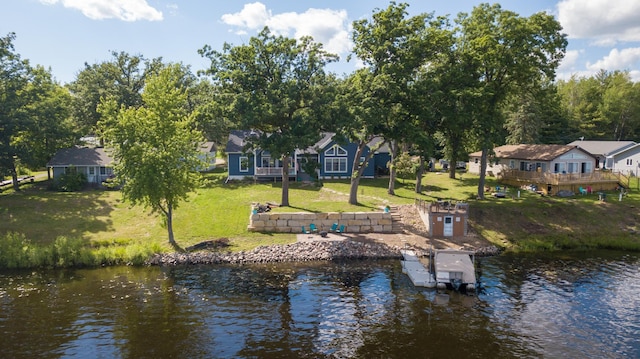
(417, 272)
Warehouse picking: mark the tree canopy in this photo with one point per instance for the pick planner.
(155, 145)
(277, 86)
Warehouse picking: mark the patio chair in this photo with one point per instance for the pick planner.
(304, 230)
(313, 228)
(341, 230)
(334, 227)
(582, 190)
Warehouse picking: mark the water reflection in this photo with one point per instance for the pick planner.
(531, 306)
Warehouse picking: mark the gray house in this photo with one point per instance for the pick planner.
(95, 163)
(626, 160)
(602, 150)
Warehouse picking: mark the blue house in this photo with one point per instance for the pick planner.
(334, 159)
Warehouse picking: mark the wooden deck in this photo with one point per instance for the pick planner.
(551, 183)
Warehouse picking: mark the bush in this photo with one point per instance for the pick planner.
(71, 182)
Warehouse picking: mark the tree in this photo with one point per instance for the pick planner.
(155, 146)
(506, 50)
(50, 126)
(33, 113)
(14, 78)
(277, 86)
(122, 79)
(394, 48)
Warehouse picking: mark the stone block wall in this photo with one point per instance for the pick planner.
(354, 222)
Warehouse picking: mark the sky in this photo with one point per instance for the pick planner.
(63, 35)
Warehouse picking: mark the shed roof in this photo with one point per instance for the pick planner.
(532, 152)
(81, 156)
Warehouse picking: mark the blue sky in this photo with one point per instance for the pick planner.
(64, 34)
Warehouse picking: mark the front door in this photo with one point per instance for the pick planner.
(448, 226)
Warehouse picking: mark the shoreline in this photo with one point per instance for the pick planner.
(307, 251)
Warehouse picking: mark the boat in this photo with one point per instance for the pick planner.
(419, 274)
(455, 269)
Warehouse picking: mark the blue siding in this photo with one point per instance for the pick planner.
(234, 164)
(351, 149)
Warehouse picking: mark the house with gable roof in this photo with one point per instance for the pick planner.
(626, 160)
(550, 168)
(602, 150)
(95, 162)
(333, 157)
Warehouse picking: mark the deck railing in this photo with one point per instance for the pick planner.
(561, 178)
(273, 171)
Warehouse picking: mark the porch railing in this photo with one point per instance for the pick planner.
(273, 171)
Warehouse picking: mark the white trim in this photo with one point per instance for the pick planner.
(340, 161)
(246, 158)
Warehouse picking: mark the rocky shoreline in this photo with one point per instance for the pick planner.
(295, 252)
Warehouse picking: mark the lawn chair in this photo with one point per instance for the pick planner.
(341, 230)
(304, 230)
(582, 190)
(313, 228)
(334, 227)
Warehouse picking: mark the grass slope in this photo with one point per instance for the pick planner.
(218, 210)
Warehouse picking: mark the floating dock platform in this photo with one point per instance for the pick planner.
(417, 272)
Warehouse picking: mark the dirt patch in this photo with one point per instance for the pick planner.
(415, 235)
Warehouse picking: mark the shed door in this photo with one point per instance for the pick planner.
(448, 226)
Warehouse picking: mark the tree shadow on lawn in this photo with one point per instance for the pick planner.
(45, 215)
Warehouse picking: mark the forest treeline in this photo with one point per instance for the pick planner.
(431, 86)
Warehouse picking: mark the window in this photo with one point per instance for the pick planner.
(558, 168)
(335, 150)
(244, 164)
(92, 171)
(629, 162)
(266, 161)
(335, 165)
(512, 164)
(573, 167)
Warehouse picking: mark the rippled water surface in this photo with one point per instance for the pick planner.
(580, 306)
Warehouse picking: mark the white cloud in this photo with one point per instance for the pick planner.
(624, 59)
(252, 16)
(605, 22)
(126, 10)
(326, 26)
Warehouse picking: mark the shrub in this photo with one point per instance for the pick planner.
(71, 182)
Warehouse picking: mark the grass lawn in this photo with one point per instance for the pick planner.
(220, 210)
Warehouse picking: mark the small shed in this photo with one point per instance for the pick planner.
(444, 218)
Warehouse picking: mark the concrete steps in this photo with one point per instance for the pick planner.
(396, 221)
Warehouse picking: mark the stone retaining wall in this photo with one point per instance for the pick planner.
(354, 222)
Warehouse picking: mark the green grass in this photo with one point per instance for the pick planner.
(116, 232)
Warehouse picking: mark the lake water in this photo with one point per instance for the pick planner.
(532, 306)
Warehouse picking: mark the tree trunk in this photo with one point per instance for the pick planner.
(419, 175)
(392, 169)
(452, 169)
(483, 172)
(14, 178)
(356, 173)
(285, 181)
(353, 190)
(169, 215)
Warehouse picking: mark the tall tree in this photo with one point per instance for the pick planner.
(122, 78)
(507, 50)
(394, 47)
(33, 113)
(275, 85)
(156, 145)
(49, 123)
(620, 107)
